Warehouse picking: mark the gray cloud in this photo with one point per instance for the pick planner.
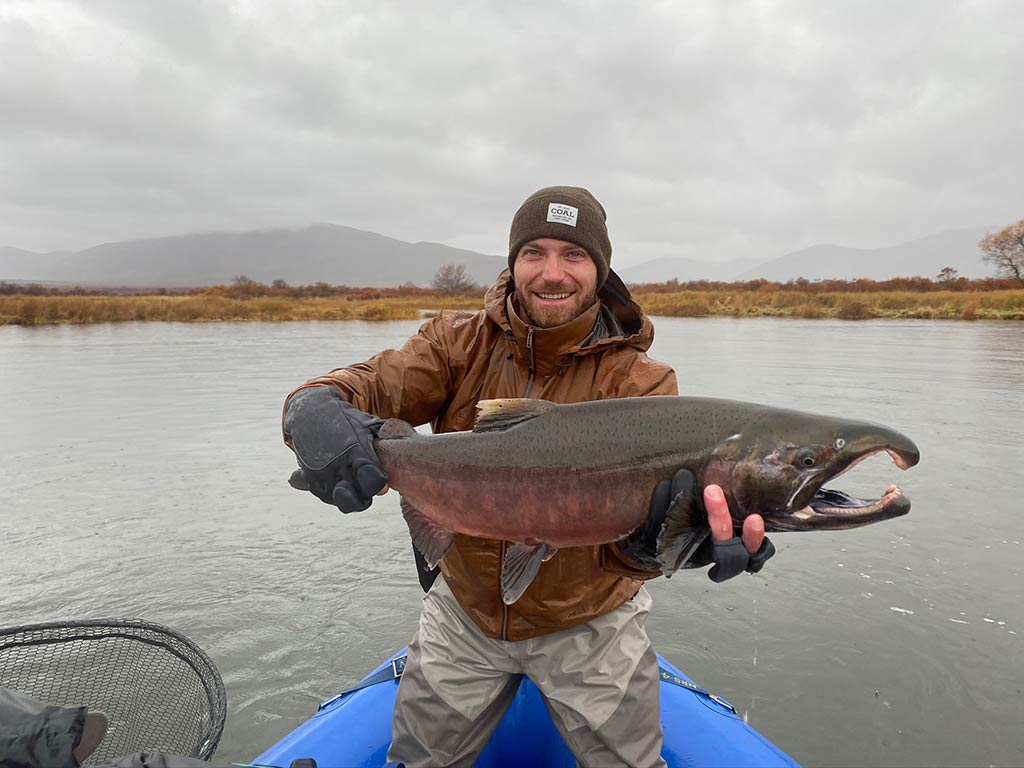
(708, 129)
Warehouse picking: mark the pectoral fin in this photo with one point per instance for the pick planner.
(521, 563)
(432, 540)
(684, 529)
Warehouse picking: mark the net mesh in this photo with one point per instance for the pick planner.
(159, 691)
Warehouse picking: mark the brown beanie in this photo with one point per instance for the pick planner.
(563, 213)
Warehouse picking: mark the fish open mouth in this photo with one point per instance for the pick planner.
(834, 503)
(834, 510)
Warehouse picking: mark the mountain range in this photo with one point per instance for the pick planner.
(345, 256)
(925, 257)
(322, 252)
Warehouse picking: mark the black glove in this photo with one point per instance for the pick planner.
(641, 546)
(333, 442)
(730, 558)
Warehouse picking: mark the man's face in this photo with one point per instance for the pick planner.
(556, 281)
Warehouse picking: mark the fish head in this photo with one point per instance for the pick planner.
(778, 467)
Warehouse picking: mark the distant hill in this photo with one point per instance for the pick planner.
(345, 256)
(670, 267)
(924, 258)
(956, 248)
(323, 252)
(16, 261)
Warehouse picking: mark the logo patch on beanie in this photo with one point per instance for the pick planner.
(563, 214)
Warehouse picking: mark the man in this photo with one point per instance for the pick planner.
(560, 325)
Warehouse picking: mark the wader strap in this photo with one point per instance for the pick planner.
(671, 677)
(391, 672)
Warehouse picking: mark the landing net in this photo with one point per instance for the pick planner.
(159, 691)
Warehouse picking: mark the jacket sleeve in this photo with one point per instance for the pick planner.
(411, 383)
(646, 377)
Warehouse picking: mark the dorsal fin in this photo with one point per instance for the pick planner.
(498, 415)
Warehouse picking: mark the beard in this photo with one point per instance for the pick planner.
(549, 314)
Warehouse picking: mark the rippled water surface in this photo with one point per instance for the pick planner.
(142, 475)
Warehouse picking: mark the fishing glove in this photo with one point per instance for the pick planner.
(729, 558)
(333, 442)
(641, 546)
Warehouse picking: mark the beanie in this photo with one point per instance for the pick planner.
(563, 213)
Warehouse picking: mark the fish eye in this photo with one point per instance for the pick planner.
(840, 443)
(807, 458)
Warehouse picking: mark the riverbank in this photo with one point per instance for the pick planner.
(844, 305)
(19, 309)
(47, 310)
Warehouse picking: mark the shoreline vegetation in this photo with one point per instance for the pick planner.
(248, 300)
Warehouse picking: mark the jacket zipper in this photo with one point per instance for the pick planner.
(530, 362)
(504, 608)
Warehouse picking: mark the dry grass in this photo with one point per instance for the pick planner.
(46, 310)
(944, 305)
(211, 307)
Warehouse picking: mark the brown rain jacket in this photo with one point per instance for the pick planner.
(460, 358)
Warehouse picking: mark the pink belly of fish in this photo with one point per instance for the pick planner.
(558, 507)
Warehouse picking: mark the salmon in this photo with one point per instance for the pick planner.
(546, 476)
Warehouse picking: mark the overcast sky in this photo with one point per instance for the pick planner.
(709, 129)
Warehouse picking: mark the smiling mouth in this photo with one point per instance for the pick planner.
(553, 296)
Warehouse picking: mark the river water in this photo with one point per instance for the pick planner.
(142, 475)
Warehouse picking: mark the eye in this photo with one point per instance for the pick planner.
(578, 255)
(840, 443)
(807, 458)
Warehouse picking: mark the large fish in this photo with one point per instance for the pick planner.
(546, 476)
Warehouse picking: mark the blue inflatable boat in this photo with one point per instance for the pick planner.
(353, 729)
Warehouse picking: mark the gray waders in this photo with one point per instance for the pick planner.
(599, 681)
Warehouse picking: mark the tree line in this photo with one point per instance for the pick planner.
(860, 285)
(244, 288)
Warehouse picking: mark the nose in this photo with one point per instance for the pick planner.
(553, 271)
